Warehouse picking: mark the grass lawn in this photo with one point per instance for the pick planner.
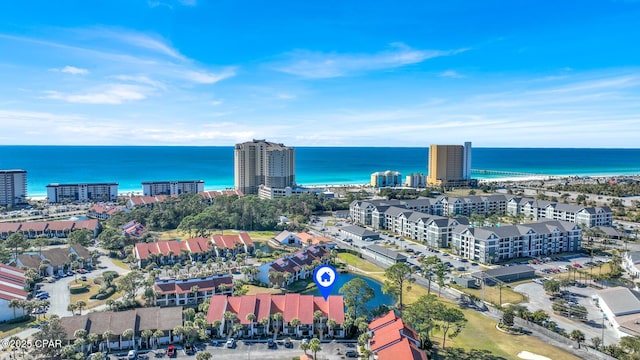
(492, 294)
(253, 290)
(93, 289)
(7, 330)
(492, 340)
(119, 263)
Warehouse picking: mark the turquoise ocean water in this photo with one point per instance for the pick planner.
(130, 165)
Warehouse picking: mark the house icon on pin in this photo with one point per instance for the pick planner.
(325, 277)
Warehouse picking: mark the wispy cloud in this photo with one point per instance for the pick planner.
(317, 65)
(451, 74)
(111, 94)
(72, 70)
(171, 3)
(204, 77)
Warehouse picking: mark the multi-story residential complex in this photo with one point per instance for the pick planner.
(270, 193)
(382, 179)
(416, 180)
(260, 162)
(492, 244)
(534, 209)
(55, 261)
(449, 165)
(61, 193)
(153, 188)
(256, 314)
(193, 291)
(13, 187)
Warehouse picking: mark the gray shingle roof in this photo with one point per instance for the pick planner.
(620, 300)
(386, 252)
(505, 270)
(358, 231)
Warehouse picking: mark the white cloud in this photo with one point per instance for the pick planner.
(451, 74)
(141, 79)
(74, 70)
(204, 77)
(112, 94)
(317, 65)
(170, 4)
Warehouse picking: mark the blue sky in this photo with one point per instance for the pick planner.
(324, 73)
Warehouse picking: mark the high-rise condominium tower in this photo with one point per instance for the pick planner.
(260, 162)
(449, 165)
(13, 187)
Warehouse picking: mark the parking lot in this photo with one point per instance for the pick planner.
(251, 349)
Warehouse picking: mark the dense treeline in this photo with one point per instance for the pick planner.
(190, 214)
(606, 189)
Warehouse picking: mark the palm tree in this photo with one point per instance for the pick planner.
(194, 292)
(237, 328)
(251, 317)
(216, 325)
(106, 336)
(304, 346)
(156, 337)
(14, 304)
(294, 323)
(314, 345)
(81, 338)
(265, 324)
(128, 334)
(331, 324)
(80, 304)
(229, 318)
(317, 320)
(277, 319)
(578, 336)
(146, 335)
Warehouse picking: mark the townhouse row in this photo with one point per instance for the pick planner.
(195, 249)
(49, 229)
(296, 266)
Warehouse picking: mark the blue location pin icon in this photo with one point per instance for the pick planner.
(325, 277)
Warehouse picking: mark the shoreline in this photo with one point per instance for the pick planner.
(505, 179)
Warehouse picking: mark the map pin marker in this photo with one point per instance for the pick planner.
(325, 277)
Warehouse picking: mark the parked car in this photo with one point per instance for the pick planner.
(351, 354)
(132, 355)
(171, 351)
(189, 349)
(288, 344)
(231, 343)
(271, 344)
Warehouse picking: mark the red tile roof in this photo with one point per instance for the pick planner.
(61, 225)
(404, 349)
(230, 241)
(10, 293)
(4, 267)
(34, 226)
(199, 245)
(299, 259)
(290, 305)
(393, 339)
(213, 193)
(89, 224)
(184, 286)
(9, 227)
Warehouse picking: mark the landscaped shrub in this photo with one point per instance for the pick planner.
(98, 281)
(105, 293)
(78, 288)
(110, 272)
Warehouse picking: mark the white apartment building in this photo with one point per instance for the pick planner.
(491, 244)
(387, 178)
(153, 188)
(541, 209)
(260, 162)
(416, 180)
(13, 187)
(61, 193)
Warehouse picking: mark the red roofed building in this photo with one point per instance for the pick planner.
(264, 306)
(209, 196)
(12, 283)
(173, 292)
(392, 339)
(103, 211)
(50, 229)
(195, 249)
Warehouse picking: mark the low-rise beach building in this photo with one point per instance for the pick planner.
(296, 266)
(193, 291)
(359, 233)
(416, 180)
(49, 229)
(82, 192)
(116, 323)
(12, 287)
(102, 211)
(621, 308)
(382, 179)
(257, 315)
(535, 209)
(384, 255)
(55, 261)
(176, 187)
(392, 339)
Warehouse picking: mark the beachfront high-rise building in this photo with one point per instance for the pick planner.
(387, 178)
(260, 162)
(153, 188)
(449, 165)
(61, 193)
(13, 187)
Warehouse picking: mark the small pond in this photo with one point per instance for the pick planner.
(379, 299)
